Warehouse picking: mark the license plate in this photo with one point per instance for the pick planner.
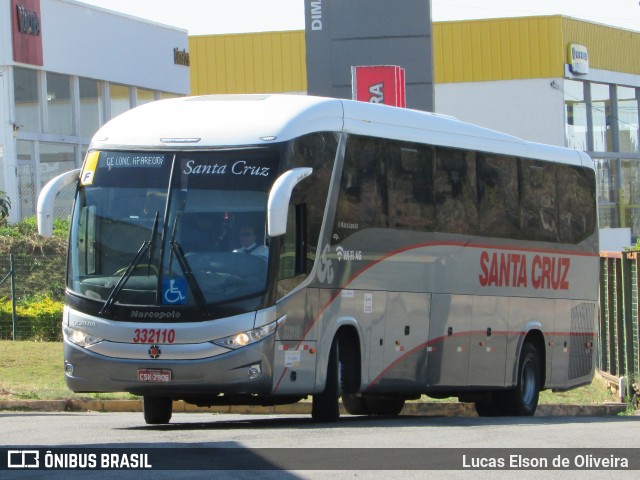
(154, 375)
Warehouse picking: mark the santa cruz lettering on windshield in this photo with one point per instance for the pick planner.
(519, 271)
(241, 167)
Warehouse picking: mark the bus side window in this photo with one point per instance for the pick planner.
(576, 190)
(410, 188)
(498, 195)
(362, 199)
(538, 200)
(454, 184)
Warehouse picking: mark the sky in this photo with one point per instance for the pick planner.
(208, 17)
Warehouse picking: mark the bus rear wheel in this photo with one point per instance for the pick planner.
(157, 410)
(355, 405)
(523, 400)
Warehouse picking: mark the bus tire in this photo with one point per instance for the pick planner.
(324, 406)
(355, 405)
(488, 407)
(349, 358)
(157, 410)
(385, 406)
(523, 400)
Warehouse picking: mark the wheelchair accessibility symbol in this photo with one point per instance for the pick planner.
(174, 291)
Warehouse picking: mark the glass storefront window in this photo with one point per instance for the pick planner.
(91, 106)
(67, 113)
(628, 119)
(120, 102)
(27, 98)
(57, 158)
(145, 96)
(606, 176)
(26, 174)
(601, 115)
(575, 115)
(630, 195)
(59, 108)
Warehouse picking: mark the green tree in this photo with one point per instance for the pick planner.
(5, 206)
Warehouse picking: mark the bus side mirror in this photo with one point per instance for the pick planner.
(47, 197)
(279, 196)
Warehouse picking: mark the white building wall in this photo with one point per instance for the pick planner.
(531, 109)
(83, 40)
(79, 40)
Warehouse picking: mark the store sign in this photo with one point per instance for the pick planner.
(27, 31)
(379, 84)
(578, 59)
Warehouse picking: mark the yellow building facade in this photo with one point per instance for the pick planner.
(528, 47)
(272, 62)
(516, 75)
(464, 51)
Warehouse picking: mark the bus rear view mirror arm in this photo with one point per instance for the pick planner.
(279, 196)
(47, 197)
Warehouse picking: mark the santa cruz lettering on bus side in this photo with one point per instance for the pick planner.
(512, 270)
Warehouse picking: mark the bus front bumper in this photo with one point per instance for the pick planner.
(247, 370)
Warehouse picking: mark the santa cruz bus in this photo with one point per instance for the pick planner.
(264, 249)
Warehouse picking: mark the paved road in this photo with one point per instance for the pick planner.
(246, 433)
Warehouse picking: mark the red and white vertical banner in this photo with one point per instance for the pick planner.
(379, 84)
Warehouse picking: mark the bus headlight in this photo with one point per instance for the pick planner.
(79, 338)
(246, 338)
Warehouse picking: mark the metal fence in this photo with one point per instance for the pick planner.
(618, 344)
(31, 296)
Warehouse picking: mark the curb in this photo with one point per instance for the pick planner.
(428, 409)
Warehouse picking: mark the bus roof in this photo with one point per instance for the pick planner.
(237, 120)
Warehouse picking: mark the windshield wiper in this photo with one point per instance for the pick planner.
(152, 246)
(147, 246)
(176, 249)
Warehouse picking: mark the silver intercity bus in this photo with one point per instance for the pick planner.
(258, 250)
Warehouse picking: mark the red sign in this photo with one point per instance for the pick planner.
(27, 31)
(379, 84)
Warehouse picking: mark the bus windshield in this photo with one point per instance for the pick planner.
(161, 229)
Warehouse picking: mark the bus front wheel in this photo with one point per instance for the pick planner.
(385, 406)
(157, 410)
(324, 406)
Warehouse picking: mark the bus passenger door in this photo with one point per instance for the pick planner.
(488, 341)
(294, 364)
(448, 345)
